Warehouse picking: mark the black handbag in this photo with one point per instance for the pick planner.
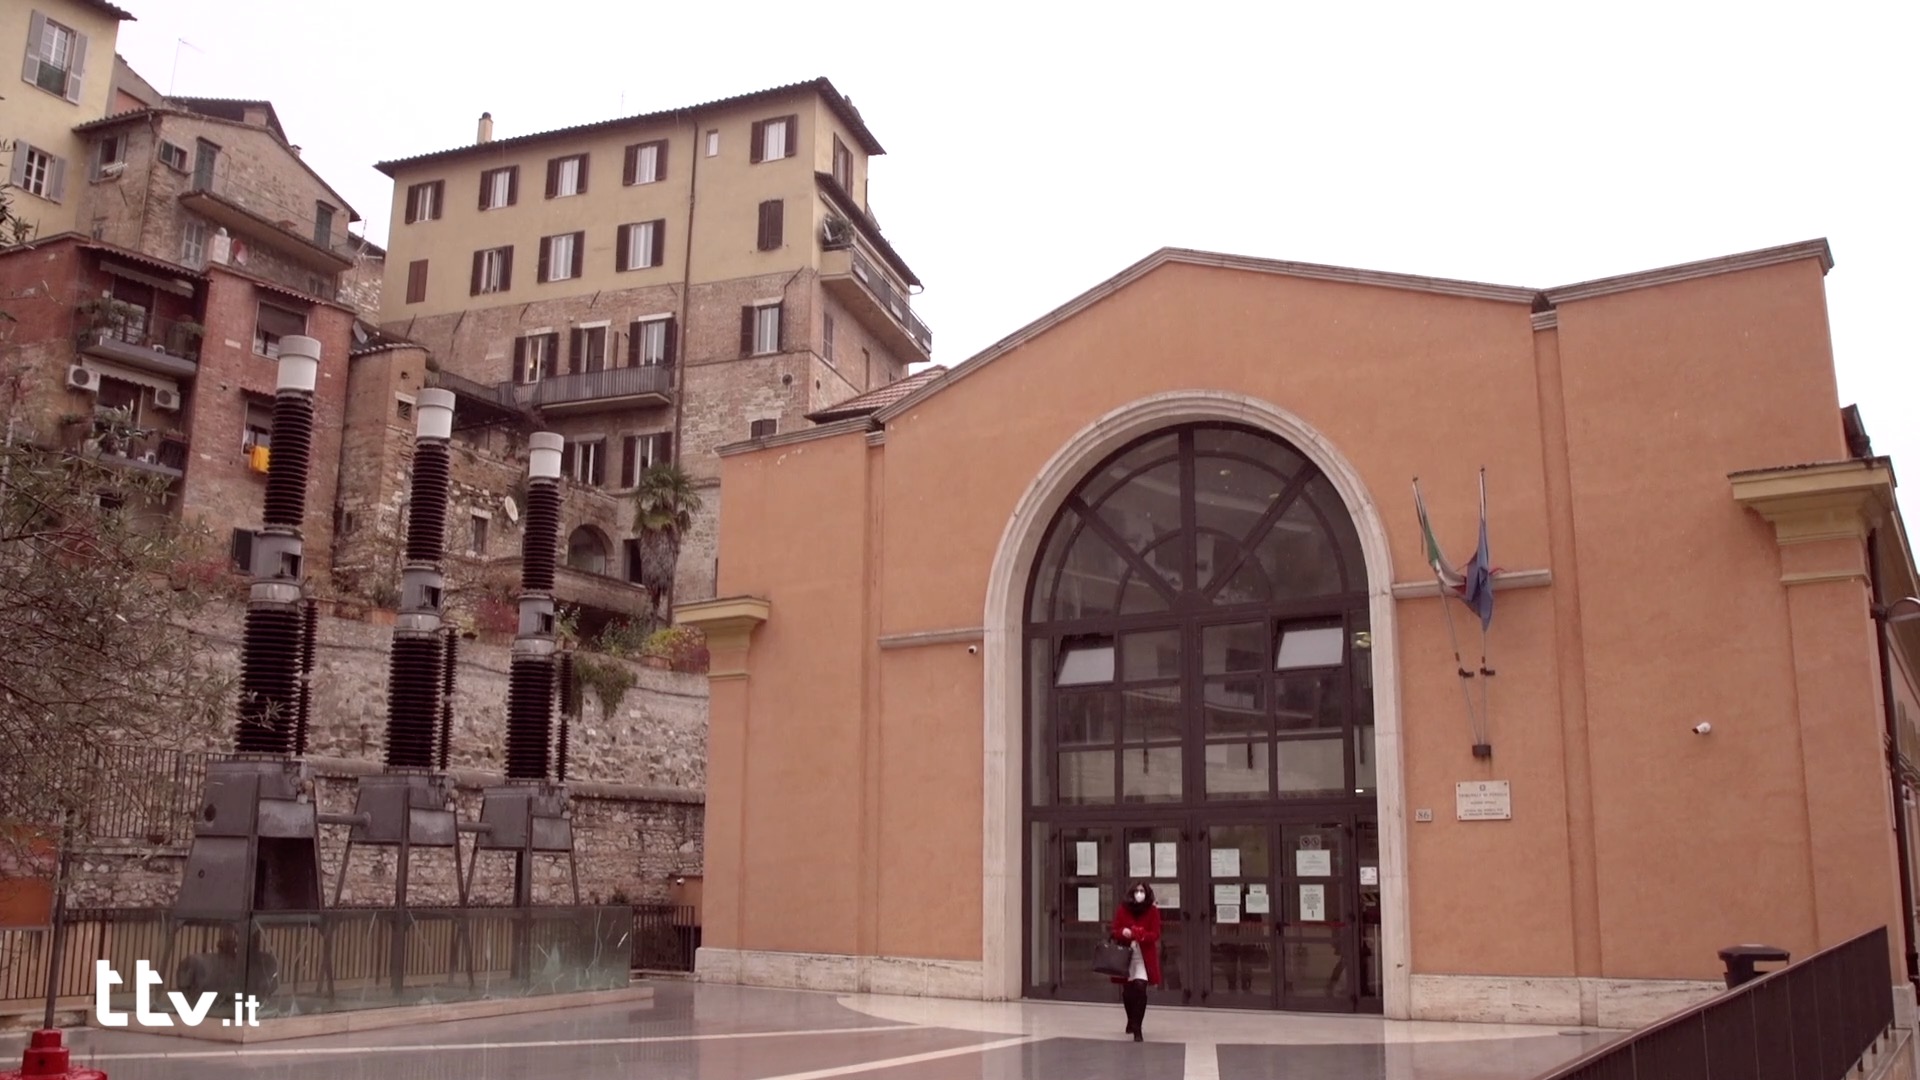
(1113, 958)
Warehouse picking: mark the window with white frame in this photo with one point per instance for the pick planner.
(477, 533)
(499, 187)
(647, 162)
(492, 270)
(426, 201)
(774, 139)
(560, 256)
(643, 244)
(760, 329)
(257, 426)
(193, 243)
(584, 461)
(39, 172)
(56, 57)
(173, 156)
(109, 156)
(713, 142)
(534, 356)
(566, 176)
(649, 339)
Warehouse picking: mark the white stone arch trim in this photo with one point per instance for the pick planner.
(1002, 923)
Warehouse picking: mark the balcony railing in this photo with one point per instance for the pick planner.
(162, 346)
(646, 381)
(892, 299)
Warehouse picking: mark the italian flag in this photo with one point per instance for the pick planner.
(1444, 571)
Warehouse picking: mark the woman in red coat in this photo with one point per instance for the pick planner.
(1137, 923)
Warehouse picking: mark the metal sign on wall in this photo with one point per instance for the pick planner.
(1483, 800)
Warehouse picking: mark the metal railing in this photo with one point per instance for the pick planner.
(178, 338)
(1808, 1021)
(599, 385)
(665, 937)
(892, 299)
(335, 958)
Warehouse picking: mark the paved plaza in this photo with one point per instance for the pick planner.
(706, 1032)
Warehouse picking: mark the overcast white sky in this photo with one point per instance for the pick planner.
(1527, 144)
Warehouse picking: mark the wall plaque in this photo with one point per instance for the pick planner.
(1483, 800)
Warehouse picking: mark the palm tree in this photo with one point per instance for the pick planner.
(663, 509)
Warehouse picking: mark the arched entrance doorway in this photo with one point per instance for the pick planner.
(1199, 715)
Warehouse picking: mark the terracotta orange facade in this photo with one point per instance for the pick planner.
(927, 775)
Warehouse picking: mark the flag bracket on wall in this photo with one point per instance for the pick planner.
(1472, 586)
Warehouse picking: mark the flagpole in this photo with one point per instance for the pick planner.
(1453, 636)
(1484, 748)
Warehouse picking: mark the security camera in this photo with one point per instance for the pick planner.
(973, 650)
(1702, 728)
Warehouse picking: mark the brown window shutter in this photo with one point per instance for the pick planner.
(666, 448)
(600, 466)
(659, 241)
(553, 177)
(513, 184)
(746, 331)
(583, 173)
(439, 198)
(579, 249)
(416, 281)
(629, 460)
(622, 237)
(567, 452)
(772, 215)
(759, 141)
(413, 204)
(632, 168)
(474, 289)
(540, 275)
(520, 360)
(633, 344)
(666, 352)
(576, 351)
(506, 268)
(779, 328)
(486, 184)
(793, 134)
(660, 161)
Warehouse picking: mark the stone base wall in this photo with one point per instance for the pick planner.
(637, 776)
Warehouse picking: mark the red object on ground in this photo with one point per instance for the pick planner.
(46, 1059)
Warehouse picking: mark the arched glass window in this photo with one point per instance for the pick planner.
(588, 550)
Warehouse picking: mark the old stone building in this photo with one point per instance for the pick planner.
(654, 287)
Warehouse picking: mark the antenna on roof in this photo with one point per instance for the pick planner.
(175, 76)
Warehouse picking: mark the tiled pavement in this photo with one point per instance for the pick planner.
(705, 1032)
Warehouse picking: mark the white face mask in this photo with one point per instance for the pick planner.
(1139, 897)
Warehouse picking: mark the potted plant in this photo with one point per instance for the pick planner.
(186, 337)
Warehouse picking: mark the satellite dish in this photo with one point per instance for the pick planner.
(513, 510)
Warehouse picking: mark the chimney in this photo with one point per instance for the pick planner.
(486, 129)
(220, 250)
(295, 149)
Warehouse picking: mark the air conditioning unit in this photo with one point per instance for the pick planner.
(114, 169)
(168, 400)
(80, 377)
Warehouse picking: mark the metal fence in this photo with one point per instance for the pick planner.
(142, 795)
(1808, 1021)
(665, 937)
(339, 957)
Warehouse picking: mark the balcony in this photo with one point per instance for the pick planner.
(158, 346)
(645, 385)
(857, 282)
(292, 239)
(164, 453)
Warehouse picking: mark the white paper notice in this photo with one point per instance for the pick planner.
(1166, 861)
(1089, 905)
(1258, 902)
(1086, 858)
(1140, 860)
(1313, 863)
(1166, 894)
(1226, 862)
(1226, 894)
(1313, 903)
(1369, 875)
(1229, 913)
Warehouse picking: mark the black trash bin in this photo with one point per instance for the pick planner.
(1741, 958)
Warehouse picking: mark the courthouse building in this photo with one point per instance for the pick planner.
(1141, 592)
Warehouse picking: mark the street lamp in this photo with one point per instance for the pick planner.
(1885, 612)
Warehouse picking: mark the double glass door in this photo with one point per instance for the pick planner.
(1262, 913)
